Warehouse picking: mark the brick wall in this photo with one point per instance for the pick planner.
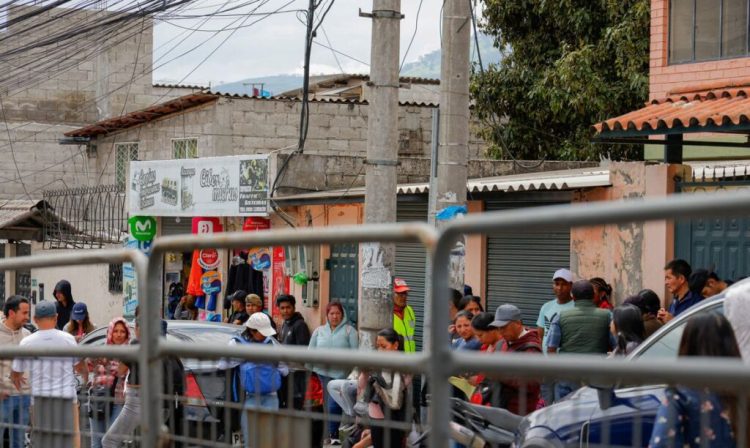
(664, 77)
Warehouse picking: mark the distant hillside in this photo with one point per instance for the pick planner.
(427, 66)
(274, 84)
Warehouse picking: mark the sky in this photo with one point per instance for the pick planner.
(275, 44)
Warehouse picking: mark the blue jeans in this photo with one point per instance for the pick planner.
(14, 410)
(268, 401)
(99, 427)
(565, 388)
(333, 408)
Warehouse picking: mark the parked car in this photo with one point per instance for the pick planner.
(623, 417)
(205, 415)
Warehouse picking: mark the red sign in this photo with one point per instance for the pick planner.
(203, 225)
(279, 280)
(254, 223)
(209, 259)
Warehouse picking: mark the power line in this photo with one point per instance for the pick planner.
(12, 151)
(416, 26)
(336, 58)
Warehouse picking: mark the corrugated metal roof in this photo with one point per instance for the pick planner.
(544, 181)
(702, 106)
(720, 169)
(181, 86)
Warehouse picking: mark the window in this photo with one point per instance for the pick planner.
(115, 278)
(702, 30)
(124, 154)
(185, 148)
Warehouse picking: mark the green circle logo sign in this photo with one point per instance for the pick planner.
(143, 228)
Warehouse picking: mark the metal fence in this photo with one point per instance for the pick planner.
(437, 362)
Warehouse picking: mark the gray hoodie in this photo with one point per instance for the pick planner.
(10, 337)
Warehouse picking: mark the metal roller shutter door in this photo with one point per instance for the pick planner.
(411, 263)
(170, 226)
(520, 265)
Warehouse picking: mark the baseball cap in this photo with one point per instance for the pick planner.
(45, 308)
(79, 311)
(563, 274)
(506, 314)
(238, 295)
(262, 323)
(399, 285)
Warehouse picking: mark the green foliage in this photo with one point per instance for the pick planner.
(570, 64)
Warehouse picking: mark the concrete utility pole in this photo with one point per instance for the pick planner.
(453, 140)
(375, 309)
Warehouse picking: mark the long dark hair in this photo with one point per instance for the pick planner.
(468, 299)
(629, 325)
(711, 335)
(390, 335)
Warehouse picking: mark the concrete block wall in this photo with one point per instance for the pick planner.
(83, 76)
(42, 162)
(664, 77)
(155, 138)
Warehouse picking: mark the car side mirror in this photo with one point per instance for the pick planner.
(606, 396)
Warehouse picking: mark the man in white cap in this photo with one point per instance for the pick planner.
(562, 282)
(260, 381)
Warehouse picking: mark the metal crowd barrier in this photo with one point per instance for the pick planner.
(438, 362)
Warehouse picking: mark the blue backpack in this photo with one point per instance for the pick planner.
(259, 378)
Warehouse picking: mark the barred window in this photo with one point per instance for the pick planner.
(185, 148)
(115, 278)
(124, 154)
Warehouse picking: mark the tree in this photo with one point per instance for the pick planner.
(569, 65)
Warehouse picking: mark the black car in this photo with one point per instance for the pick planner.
(206, 387)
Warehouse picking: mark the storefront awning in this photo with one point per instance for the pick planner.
(544, 181)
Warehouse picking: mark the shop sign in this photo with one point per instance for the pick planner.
(209, 259)
(217, 186)
(142, 228)
(211, 282)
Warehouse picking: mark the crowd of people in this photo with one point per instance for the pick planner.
(582, 319)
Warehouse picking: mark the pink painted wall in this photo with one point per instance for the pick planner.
(476, 257)
(629, 256)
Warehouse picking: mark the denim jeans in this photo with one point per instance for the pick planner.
(14, 410)
(99, 426)
(268, 401)
(126, 422)
(565, 388)
(333, 408)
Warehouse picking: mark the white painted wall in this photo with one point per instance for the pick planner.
(89, 284)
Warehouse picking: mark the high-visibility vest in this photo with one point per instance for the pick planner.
(405, 328)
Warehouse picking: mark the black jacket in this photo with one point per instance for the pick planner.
(294, 331)
(63, 311)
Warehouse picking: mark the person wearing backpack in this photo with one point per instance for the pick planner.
(337, 333)
(258, 382)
